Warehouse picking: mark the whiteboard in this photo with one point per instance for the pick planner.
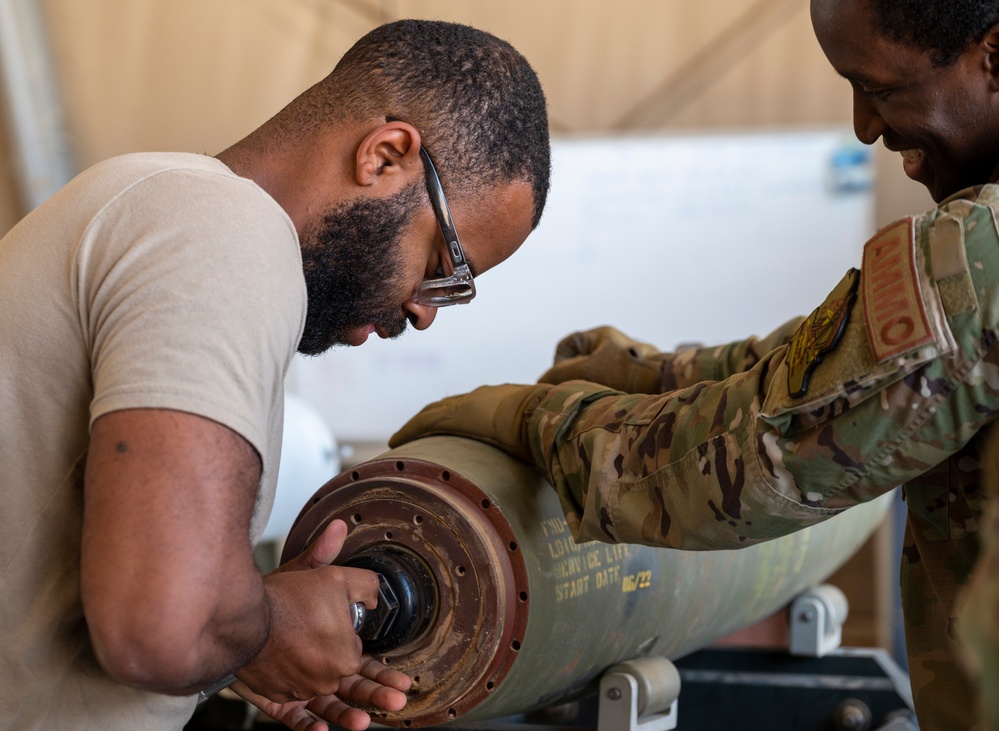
(700, 238)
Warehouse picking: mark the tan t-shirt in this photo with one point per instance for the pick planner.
(151, 280)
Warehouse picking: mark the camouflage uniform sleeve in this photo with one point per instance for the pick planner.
(893, 373)
(688, 366)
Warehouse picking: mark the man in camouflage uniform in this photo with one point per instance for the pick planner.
(893, 379)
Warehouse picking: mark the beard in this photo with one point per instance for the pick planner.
(352, 266)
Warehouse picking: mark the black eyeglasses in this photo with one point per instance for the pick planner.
(458, 288)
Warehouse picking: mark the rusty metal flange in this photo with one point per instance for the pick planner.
(470, 552)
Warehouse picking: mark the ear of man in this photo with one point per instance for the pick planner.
(990, 55)
(388, 158)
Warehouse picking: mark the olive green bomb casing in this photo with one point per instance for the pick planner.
(493, 609)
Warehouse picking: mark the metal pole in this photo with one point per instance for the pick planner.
(39, 145)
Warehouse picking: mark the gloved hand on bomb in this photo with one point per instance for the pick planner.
(607, 356)
(500, 415)
(496, 415)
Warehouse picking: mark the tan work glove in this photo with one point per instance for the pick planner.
(607, 356)
(496, 415)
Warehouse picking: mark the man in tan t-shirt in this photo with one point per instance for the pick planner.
(148, 314)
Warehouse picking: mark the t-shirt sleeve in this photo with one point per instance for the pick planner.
(190, 292)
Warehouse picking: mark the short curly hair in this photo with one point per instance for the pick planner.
(944, 28)
(476, 101)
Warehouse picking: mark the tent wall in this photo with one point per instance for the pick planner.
(198, 74)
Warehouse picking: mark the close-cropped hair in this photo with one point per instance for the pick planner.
(476, 101)
(944, 28)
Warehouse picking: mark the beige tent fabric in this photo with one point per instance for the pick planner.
(196, 75)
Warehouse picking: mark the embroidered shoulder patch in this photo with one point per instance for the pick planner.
(893, 300)
(820, 333)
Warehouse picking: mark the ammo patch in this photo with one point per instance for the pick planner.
(893, 301)
(819, 334)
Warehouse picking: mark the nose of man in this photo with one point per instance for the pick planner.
(420, 316)
(867, 123)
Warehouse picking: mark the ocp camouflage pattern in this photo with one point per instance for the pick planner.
(727, 457)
